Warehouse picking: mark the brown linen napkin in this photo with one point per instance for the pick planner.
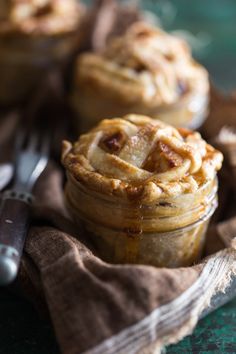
(101, 308)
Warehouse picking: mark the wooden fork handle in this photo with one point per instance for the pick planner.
(14, 224)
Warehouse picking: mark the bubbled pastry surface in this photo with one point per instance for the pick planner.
(139, 155)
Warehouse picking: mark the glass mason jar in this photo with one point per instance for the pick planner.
(190, 112)
(168, 233)
(24, 59)
(92, 103)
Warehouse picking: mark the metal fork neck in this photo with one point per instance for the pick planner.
(18, 195)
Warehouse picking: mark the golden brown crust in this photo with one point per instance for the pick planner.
(146, 65)
(138, 157)
(39, 17)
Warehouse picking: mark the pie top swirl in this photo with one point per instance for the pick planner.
(146, 64)
(39, 16)
(137, 156)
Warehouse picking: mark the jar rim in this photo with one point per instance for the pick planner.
(113, 199)
(203, 218)
(157, 219)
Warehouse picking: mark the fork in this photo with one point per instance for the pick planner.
(31, 157)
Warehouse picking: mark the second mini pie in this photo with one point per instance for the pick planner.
(35, 35)
(146, 71)
(143, 190)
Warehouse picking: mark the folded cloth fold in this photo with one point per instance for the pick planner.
(101, 308)
(90, 301)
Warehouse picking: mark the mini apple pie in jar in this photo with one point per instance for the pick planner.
(143, 190)
(146, 71)
(34, 36)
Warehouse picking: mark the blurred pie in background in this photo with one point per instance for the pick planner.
(146, 71)
(34, 35)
